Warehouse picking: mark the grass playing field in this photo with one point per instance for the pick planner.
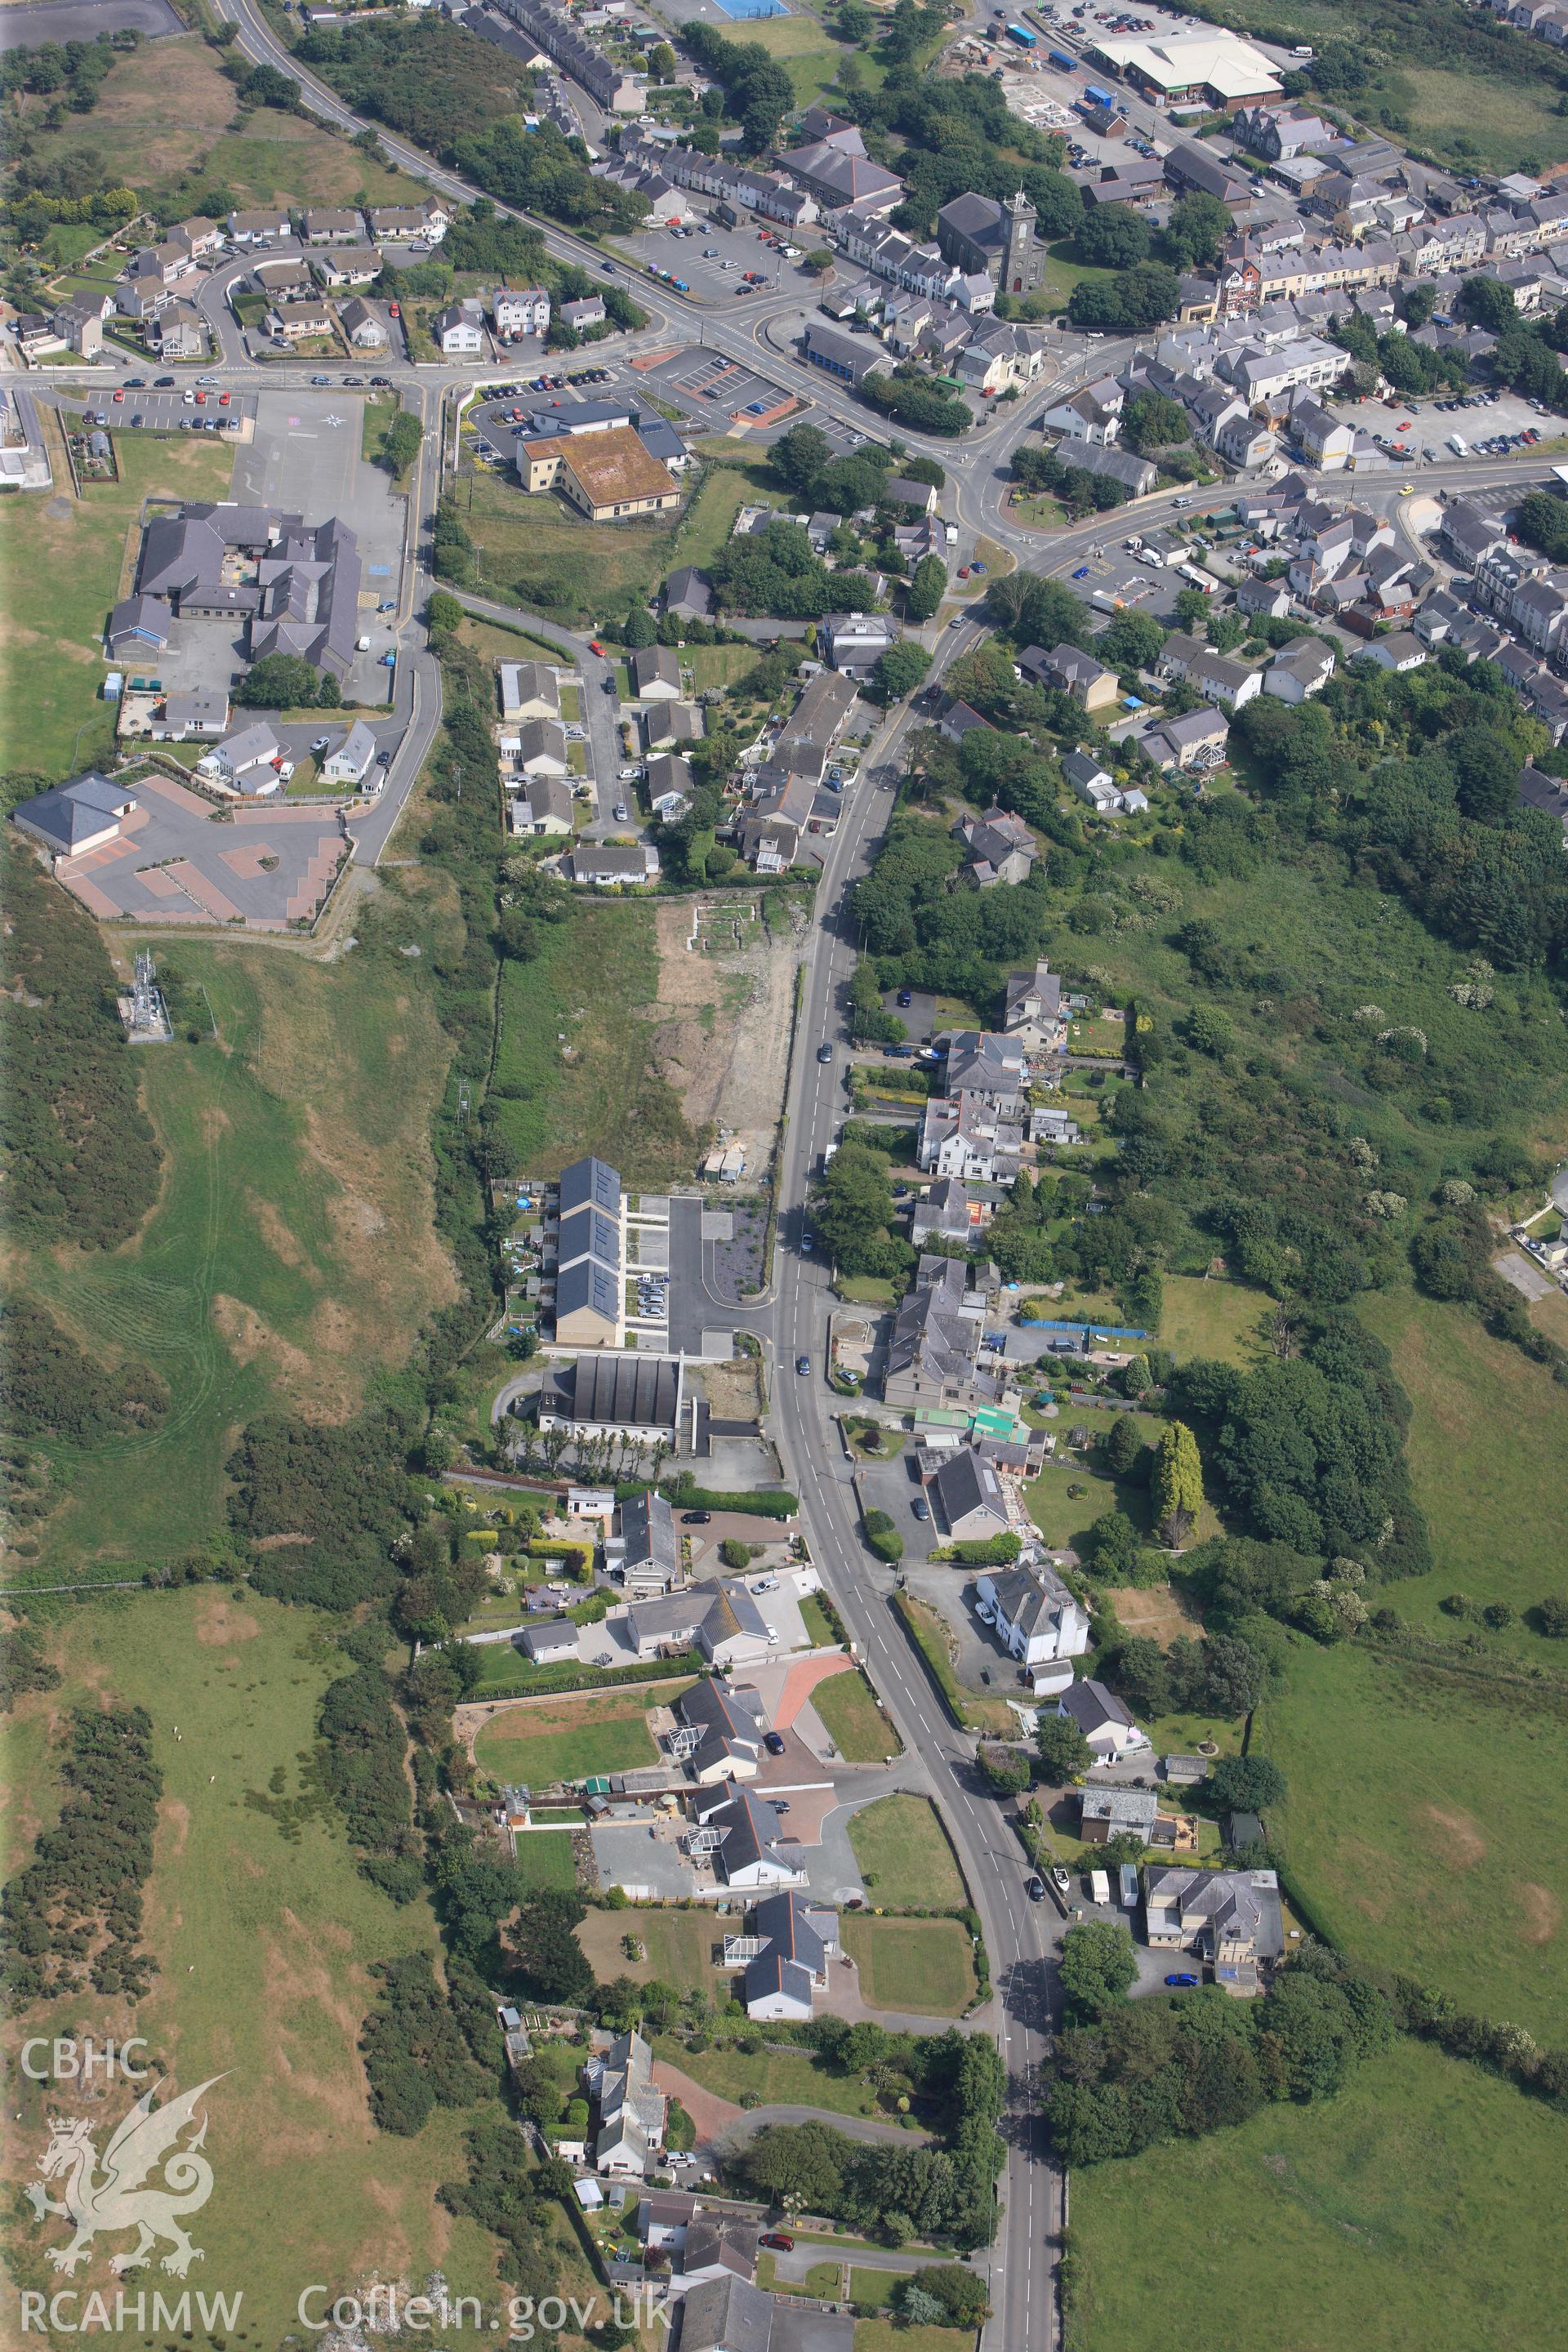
(920, 1966)
(1416, 2210)
(850, 1714)
(567, 1741)
(904, 1855)
(290, 1251)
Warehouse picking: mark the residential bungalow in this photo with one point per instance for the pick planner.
(601, 866)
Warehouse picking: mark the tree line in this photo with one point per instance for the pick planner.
(82, 1164)
(71, 1918)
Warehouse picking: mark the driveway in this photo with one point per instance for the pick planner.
(643, 1862)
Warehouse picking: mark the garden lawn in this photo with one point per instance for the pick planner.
(61, 559)
(873, 2286)
(781, 2078)
(1422, 1828)
(1218, 1319)
(1064, 1519)
(885, 2335)
(265, 1931)
(544, 1858)
(596, 980)
(904, 1855)
(318, 1095)
(710, 519)
(854, 1720)
(680, 1945)
(1416, 2210)
(569, 1739)
(921, 1966)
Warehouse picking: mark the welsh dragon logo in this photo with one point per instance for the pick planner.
(119, 2197)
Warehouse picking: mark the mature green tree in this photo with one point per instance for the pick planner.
(1195, 234)
(927, 587)
(1235, 1677)
(280, 682)
(1178, 1483)
(1098, 1966)
(1114, 237)
(1150, 421)
(1065, 1754)
(1133, 641)
(798, 457)
(1113, 1546)
(900, 670)
(1247, 1784)
(1004, 1770)
(798, 2166)
(1122, 1445)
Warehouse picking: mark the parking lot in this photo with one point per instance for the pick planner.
(145, 408)
(713, 260)
(1411, 428)
(179, 859)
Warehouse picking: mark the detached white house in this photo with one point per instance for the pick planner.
(1037, 1619)
(1104, 1722)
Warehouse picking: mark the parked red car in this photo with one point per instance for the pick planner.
(775, 2240)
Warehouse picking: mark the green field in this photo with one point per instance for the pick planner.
(535, 552)
(1491, 1483)
(920, 1966)
(783, 2078)
(544, 1858)
(161, 124)
(290, 1254)
(62, 559)
(904, 1855)
(1423, 1825)
(852, 1719)
(264, 1929)
(597, 983)
(573, 1739)
(1417, 2209)
(1427, 92)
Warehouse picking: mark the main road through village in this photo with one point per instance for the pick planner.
(1018, 1934)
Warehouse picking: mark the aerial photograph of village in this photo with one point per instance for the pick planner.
(784, 1175)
